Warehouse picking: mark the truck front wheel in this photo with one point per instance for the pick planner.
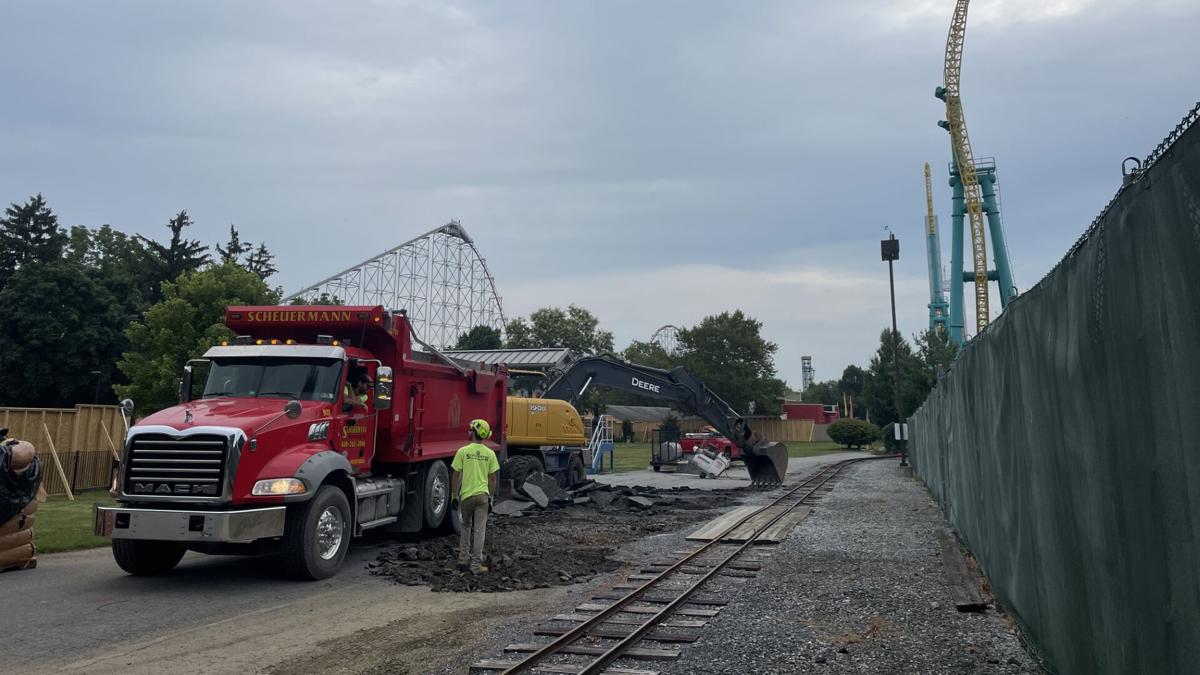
(317, 535)
(437, 494)
(146, 558)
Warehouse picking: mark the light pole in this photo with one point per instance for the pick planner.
(890, 251)
(98, 374)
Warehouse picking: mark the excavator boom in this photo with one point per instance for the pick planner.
(766, 461)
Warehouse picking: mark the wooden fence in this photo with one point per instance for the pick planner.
(770, 428)
(84, 440)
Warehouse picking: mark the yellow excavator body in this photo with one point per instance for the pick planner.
(534, 422)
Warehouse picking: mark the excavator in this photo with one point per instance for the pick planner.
(766, 461)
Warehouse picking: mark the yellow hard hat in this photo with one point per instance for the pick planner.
(481, 428)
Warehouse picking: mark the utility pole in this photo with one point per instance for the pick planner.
(890, 252)
(98, 374)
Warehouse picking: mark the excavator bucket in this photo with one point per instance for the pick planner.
(767, 464)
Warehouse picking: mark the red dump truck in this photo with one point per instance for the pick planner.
(277, 451)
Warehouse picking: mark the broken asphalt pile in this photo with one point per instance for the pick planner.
(548, 536)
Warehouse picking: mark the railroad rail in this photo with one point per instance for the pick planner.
(602, 657)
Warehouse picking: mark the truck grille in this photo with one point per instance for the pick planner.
(163, 465)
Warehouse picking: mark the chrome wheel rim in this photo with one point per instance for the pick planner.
(437, 498)
(329, 532)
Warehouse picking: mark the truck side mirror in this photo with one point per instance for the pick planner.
(127, 406)
(292, 409)
(185, 385)
(383, 388)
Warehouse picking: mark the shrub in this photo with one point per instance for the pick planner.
(670, 427)
(889, 437)
(853, 433)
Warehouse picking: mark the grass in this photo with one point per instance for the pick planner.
(636, 456)
(629, 457)
(65, 525)
(812, 449)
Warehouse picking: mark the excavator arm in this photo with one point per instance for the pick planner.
(766, 462)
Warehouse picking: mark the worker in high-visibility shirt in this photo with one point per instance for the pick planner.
(472, 484)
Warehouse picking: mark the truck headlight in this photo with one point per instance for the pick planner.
(318, 431)
(279, 486)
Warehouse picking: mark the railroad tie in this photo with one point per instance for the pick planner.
(489, 665)
(663, 598)
(746, 566)
(668, 623)
(647, 609)
(619, 632)
(638, 653)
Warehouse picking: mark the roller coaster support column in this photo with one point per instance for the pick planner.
(958, 213)
(987, 182)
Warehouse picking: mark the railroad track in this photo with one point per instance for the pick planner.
(654, 604)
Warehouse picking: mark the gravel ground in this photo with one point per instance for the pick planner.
(858, 587)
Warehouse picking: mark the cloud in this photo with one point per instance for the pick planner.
(733, 156)
(835, 313)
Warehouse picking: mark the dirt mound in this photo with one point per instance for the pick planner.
(555, 546)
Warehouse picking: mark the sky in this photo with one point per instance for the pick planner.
(654, 162)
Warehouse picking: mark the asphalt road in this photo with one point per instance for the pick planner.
(74, 604)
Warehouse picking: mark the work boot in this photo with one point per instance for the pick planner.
(462, 566)
(479, 569)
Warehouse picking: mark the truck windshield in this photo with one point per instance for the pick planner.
(301, 379)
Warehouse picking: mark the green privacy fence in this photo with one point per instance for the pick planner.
(1064, 444)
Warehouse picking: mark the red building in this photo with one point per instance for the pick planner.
(818, 413)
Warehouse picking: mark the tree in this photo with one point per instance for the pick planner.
(937, 352)
(60, 324)
(626, 431)
(323, 299)
(261, 262)
(234, 249)
(479, 337)
(852, 380)
(648, 354)
(669, 429)
(825, 393)
(520, 334)
(29, 234)
(878, 390)
(728, 352)
(119, 263)
(575, 328)
(185, 323)
(178, 257)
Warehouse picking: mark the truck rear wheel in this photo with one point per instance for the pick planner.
(317, 535)
(437, 494)
(146, 558)
(518, 468)
(575, 472)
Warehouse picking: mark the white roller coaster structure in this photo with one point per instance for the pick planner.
(439, 278)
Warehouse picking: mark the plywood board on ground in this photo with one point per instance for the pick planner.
(774, 534)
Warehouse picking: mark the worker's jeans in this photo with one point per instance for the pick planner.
(474, 510)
